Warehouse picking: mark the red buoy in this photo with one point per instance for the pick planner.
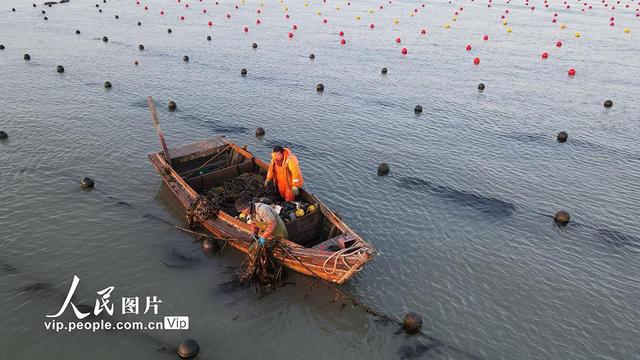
(485, 38)
(228, 16)
(324, 21)
(468, 47)
(341, 33)
(286, 16)
(294, 27)
(204, 11)
(476, 61)
(371, 26)
(398, 40)
(210, 23)
(423, 31)
(545, 55)
(559, 44)
(290, 35)
(181, 17)
(404, 51)
(146, 8)
(258, 21)
(161, 12)
(572, 72)
(246, 29)
(343, 41)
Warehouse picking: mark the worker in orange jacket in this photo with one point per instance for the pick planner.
(285, 172)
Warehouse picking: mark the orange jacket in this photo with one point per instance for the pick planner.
(286, 175)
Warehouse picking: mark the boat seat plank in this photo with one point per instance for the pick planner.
(196, 149)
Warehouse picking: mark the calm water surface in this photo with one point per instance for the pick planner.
(462, 221)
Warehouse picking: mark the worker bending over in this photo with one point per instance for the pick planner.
(268, 224)
(285, 172)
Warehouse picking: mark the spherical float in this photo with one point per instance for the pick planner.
(343, 41)
(545, 55)
(468, 48)
(169, 30)
(260, 131)
(418, 109)
(139, 23)
(254, 45)
(608, 103)
(341, 33)
(290, 35)
(188, 349)
(412, 323)
(485, 38)
(320, 88)
(208, 246)
(185, 58)
(423, 31)
(384, 70)
(60, 69)
(383, 169)
(105, 39)
(135, 62)
(571, 72)
(559, 44)
(209, 37)
(141, 47)
(398, 40)
(404, 51)
(46, 18)
(27, 57)
(87, 183)
(2, 47)
(3, 135)
(117, 17)
(243, 71)
(562, 218)
(107, 85)
(481, 86)
(476, 61)
(312, 56)
(562, 136)
(172, 106)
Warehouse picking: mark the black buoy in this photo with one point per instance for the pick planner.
(139, 23)
(100, 10)
(60, 69)
(13, 9)
(107, 85)
(1, 47)
(562, 136)
(243, 72)
(320, 88)
(481, 86)
(141, 47)
(209, 37)
(3, 135)
(34, 5)
(87, 183)
(117, 17)
(254, 45)
(46, 18)
(260, 131)
(172, 106)
(608, 103)
(44, 12)
(384, 70)
(185, 58)
(412, 323)
(383, 169)
(188, 349)
(27, 57)
(135, 62)
(105, 39)
(312, 56)
(97, 5)
(562, 218)
(77, 31)
(169, 30)
(418, 109)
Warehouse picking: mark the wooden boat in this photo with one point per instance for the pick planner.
(321, 243)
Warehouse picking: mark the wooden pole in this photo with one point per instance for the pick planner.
(156, 124)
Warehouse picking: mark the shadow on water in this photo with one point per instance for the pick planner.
(619, 239)
(419, 351)
(487, 205)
